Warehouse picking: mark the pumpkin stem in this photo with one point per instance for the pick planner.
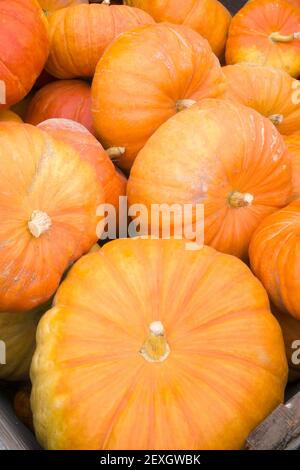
(184, 104)
(115, 152)
(277, 37)
(276, 119)
(155, 348)
(39, 223)
(237, 199)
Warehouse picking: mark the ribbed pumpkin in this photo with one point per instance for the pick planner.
(275, 257)
(266, 32)
(48, 202)
(139, 352)
(49, 6)
(157, 70)
(17, 332)
(113, 184)
(24, 47)
(271, 91)
(8, 115)
(80, 34)
(222, 155)
(291, 334)
(208, 17)
(293, 144)
(69, 99)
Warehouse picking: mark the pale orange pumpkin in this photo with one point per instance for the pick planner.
(139, 352)
(266, 32)
(293, 144)
(269, 90)
(157, 71)
(222, 155)
(48, 202)
(275, 257)
(208, 17)
(8, 115)
(80, 34)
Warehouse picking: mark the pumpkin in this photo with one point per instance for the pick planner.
(21, 61)
(80, 34)
(208, 17)
(48, 202)
(22, 405)
(138, 352)
(17, 336)
(114, 184)
(266, 32)
(275, 258)
(290, 327)
(271, 91)
(49, 6)
(69, 99)
(293, 144)
(221, 155)
(8, 115)
(145, 91)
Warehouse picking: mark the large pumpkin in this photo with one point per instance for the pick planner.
(157, 70)
(266, 32)
(139, 352)
(269, 90)
(293, 144)
(8, 115)
(91, 150)
(49, 6)
(24, 47)
(222, 155)
(275, 257)
(208, 17)
(80, 34)
(48, 202)
(69, 99)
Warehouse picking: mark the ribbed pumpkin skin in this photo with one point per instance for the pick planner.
(69, 99)
(211, 390)
(153, 67)
(271, 91)
(208, 17)
(80, 34)
(45, 175)
(204, 155)
(248, 37)
(8, 115)
(113, 184)
(49, 6)
(18, 330)
(275, 257)
(24, 47)
(293, 144)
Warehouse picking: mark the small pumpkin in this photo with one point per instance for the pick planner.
(266, 32)
(275, 257)
(269, 90)
(8, 115)
(80, 34)
(138, 352)
(48, 202)
(293, 144)
(145, 92)
(220, 154)
(290, 327)
(21, 61)
(208, 17)
(49, 6)
(69, 99)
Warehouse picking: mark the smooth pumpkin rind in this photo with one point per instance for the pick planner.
(293, 144)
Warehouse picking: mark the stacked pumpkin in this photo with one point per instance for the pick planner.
(145, 344)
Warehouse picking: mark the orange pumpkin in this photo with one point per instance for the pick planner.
(48, 202)
(208, 17)
(157, 70)
(49, 6)
(291, 334)
(138, 352)
(266, 32)
(91, 150)
(80, 34)
(222, 155)
(24, 47)
(275, 257)
(69, 99)
(8, 115)
(271, 91)
(293, 144)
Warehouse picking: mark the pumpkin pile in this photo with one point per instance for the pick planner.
(151, 341)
